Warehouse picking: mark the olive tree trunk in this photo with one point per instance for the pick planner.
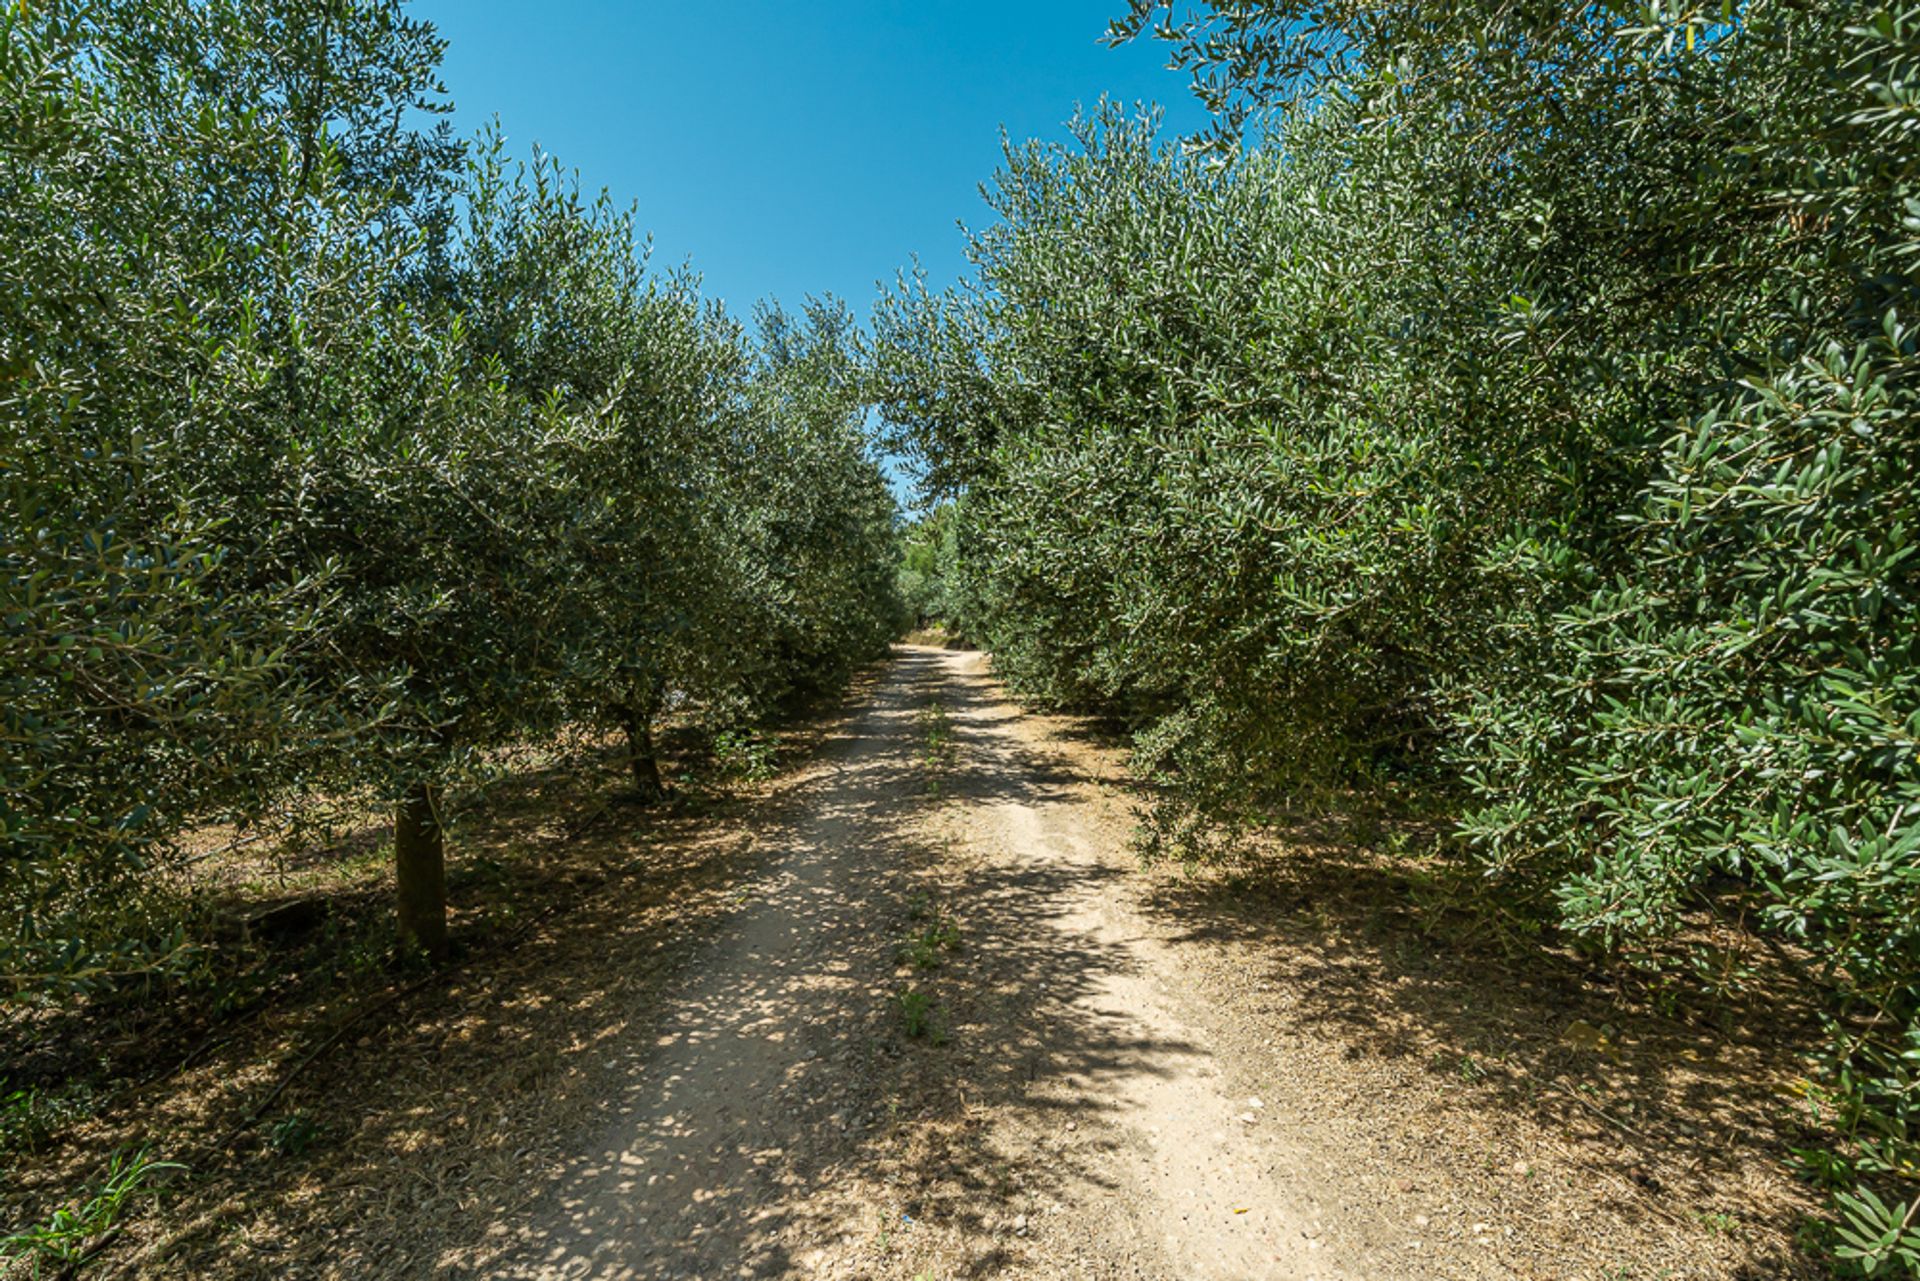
(420, 870)
(643, 755)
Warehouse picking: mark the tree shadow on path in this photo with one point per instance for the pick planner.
(748, 1126)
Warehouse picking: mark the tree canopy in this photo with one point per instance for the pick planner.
(338, 452)
(1507, 409)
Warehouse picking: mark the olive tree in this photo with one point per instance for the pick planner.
(1511, 405)
(812, 504)
(177, 220)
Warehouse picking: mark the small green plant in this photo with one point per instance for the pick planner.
(293, 1134)
(31, 1116)
(920, 907)
(919, 1017)
(938, 751)
(926, 949)
(234, 994)
(75, 1231)
(745, 755)
(1884, 1240)
(1718, 1222)
(915, 1011)
(916, 952)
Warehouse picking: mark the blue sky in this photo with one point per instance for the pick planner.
(788, 148)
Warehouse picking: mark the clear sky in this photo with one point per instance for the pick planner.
(788, 148)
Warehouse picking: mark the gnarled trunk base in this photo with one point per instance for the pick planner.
(643, 757)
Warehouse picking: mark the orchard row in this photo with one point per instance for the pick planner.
(338, 453)
(1513, 417)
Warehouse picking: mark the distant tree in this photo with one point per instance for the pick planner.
(929, 564)
(815, 502)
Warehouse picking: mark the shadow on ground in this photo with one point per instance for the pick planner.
(1673, 1102)
(679, 1053)
(775, 1085)
(685, 1055)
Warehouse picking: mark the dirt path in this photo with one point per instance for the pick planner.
(750, 1113)
(1089, 1102)
(723, 1157)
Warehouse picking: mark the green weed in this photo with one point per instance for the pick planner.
(75, 1231)
(293, 1134)
(927, 948)
(916, 1010)
(937, 752)
(30, 1117)
(746, 756)
(919, 1017)
(1718, 1222)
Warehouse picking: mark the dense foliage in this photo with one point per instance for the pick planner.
(929, 579)
(333, 454)
(1514, 405)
